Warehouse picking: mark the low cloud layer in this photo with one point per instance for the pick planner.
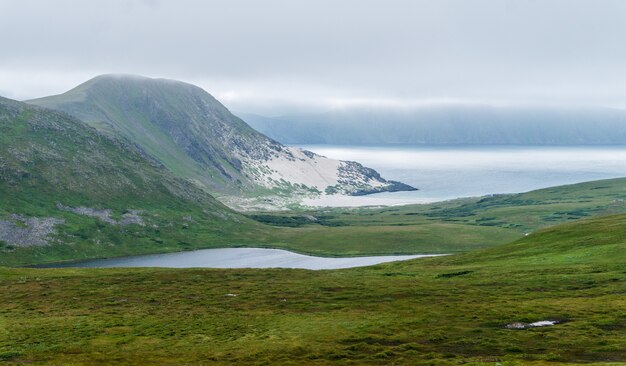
(275, 56)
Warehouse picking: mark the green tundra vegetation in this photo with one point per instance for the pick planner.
(440, 311)
(442, 227)
(51, 162)
(554, 254)
(445, 227)
(100, 171)
(176, 123)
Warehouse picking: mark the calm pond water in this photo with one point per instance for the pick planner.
(237, 258)
(447, 172)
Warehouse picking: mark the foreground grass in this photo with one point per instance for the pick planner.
(446, 310)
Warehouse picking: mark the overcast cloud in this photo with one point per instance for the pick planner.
(272, 56)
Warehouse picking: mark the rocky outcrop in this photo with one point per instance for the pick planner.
(128, 218)
(103, 215)
(131, 218)
(22, 231)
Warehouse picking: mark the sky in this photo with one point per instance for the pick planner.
(275, 57)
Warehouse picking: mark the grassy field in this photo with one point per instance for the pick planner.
(437, 237)
(451, 226)
(523, 212)
(440, 311)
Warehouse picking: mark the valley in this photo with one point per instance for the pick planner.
(542, 257)
(206, 183)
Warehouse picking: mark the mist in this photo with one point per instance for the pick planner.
(449, 124)
(279, 57)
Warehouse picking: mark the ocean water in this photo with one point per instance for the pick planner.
(447, 172)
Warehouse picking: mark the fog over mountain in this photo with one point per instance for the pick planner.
(450, 124)
(198, 139)
(276, 57)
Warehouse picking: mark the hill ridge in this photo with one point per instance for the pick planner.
(199, 139)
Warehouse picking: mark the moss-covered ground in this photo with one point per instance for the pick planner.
(440, 311)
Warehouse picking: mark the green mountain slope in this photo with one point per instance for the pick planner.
(197, 138)
(440, 311)
(69, 192)
(158, 116)
(54, 167)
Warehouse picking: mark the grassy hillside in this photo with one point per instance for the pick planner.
(450, 226)
(523, 212)
(169, 120)
(69, 192)
(198, 139)
(439, 311)
(101, 196)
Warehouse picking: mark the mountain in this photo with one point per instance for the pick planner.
(452, 124)
(197, 138)
(68, 191)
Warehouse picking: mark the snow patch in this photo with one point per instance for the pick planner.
(541, 323)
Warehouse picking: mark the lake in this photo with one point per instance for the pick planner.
(447, 172)
(236, 258)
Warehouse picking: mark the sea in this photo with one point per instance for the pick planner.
(448, 172)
